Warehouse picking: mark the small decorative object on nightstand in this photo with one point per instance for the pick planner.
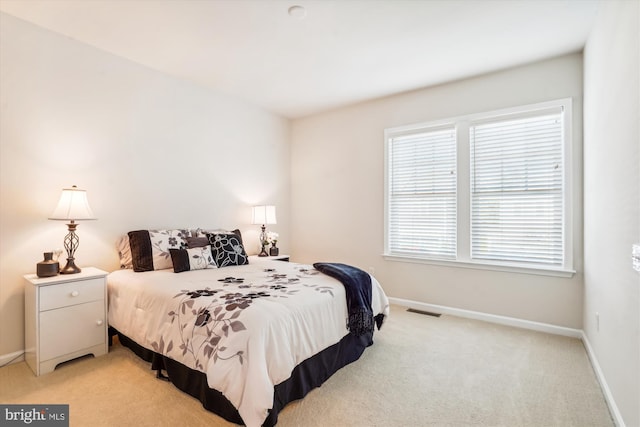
(48, 267)
(65, 318)
(272, 237)
(273, 251)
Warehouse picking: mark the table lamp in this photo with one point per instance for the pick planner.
(264, 215)
(72, 206)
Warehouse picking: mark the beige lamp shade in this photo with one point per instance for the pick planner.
(264, 215)
(72, 206)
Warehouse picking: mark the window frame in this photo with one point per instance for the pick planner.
(463, 212)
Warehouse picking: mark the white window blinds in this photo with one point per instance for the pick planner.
(517, 189)
(421, 205)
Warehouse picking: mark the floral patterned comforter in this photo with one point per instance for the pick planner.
(246, 326)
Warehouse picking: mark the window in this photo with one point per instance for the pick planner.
(489, 190)
(422, 193)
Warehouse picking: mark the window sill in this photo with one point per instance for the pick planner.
(510, 268)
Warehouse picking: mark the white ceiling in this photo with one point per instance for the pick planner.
(342, 52)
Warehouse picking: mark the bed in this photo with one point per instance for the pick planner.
(244, 339)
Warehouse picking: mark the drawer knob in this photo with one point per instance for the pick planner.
(99, 322)
(75, 293)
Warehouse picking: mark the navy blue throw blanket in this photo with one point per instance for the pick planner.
(357, 284)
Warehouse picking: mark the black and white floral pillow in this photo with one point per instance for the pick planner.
(161, 242)
(150, 248)
(227, 249)
(192, 259)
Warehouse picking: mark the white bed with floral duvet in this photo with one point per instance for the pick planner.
(249, 329)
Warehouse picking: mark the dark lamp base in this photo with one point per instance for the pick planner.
(70, 268)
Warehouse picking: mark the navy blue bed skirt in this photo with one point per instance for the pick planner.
(308, 375)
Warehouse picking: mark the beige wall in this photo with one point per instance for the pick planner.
(612, 200)
(152, 151)
(338, 193)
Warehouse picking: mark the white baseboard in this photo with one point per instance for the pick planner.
(15, 357)
(608, 397)
(486, 317)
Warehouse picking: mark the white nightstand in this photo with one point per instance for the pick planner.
(65, 318)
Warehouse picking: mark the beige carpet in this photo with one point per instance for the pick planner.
(422, 371)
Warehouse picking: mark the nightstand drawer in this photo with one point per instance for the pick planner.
(66, 294)
(66, 330)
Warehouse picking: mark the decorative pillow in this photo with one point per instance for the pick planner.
(197, 242)
(150, 248)
(124, 252)
(200, 232)
(227, 249)
(237, 233)
(191, 259)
